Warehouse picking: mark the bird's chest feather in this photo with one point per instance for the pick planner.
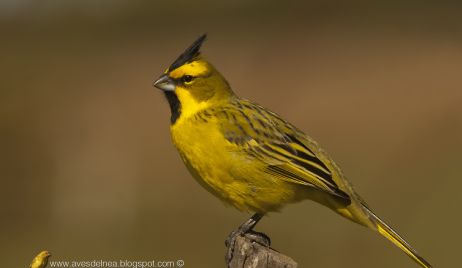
(207, 154)
(224, 168)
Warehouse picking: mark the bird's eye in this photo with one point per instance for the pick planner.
(187, 78)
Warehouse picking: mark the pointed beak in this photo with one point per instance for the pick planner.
(165, 83)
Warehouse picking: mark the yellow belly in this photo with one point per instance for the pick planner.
(228, 172)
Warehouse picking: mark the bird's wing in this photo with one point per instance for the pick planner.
(278, 144)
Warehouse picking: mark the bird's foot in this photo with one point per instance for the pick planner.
(260, 238)
(245, 228)
(230, 243)
(256, 237)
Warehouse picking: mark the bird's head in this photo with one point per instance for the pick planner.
(192, 84)
(41, 260)
(44, 254)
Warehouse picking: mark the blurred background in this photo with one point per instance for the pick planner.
(86, 163)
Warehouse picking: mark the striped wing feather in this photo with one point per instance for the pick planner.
(277, 143)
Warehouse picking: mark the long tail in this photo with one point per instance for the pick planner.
(391, 235)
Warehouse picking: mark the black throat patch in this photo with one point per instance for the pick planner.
(175, 105)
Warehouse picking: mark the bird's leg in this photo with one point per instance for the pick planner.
(246, 229)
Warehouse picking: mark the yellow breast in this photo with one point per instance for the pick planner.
(225, 170)
(204, 151)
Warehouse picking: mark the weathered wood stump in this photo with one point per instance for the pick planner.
(250, 254)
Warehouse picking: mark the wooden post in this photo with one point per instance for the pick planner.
(250, 254)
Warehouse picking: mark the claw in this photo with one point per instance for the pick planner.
(245, 229)
(259, 238)
(230, 243)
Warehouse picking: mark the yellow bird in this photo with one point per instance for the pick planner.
(250, 157)
(41, 260)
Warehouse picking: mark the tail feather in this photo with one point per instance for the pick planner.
(394, 237)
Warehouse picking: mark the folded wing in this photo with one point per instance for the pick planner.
(278, 144)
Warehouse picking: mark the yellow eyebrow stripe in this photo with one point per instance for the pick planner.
(195, 68)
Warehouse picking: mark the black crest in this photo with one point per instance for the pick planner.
(190, 53)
